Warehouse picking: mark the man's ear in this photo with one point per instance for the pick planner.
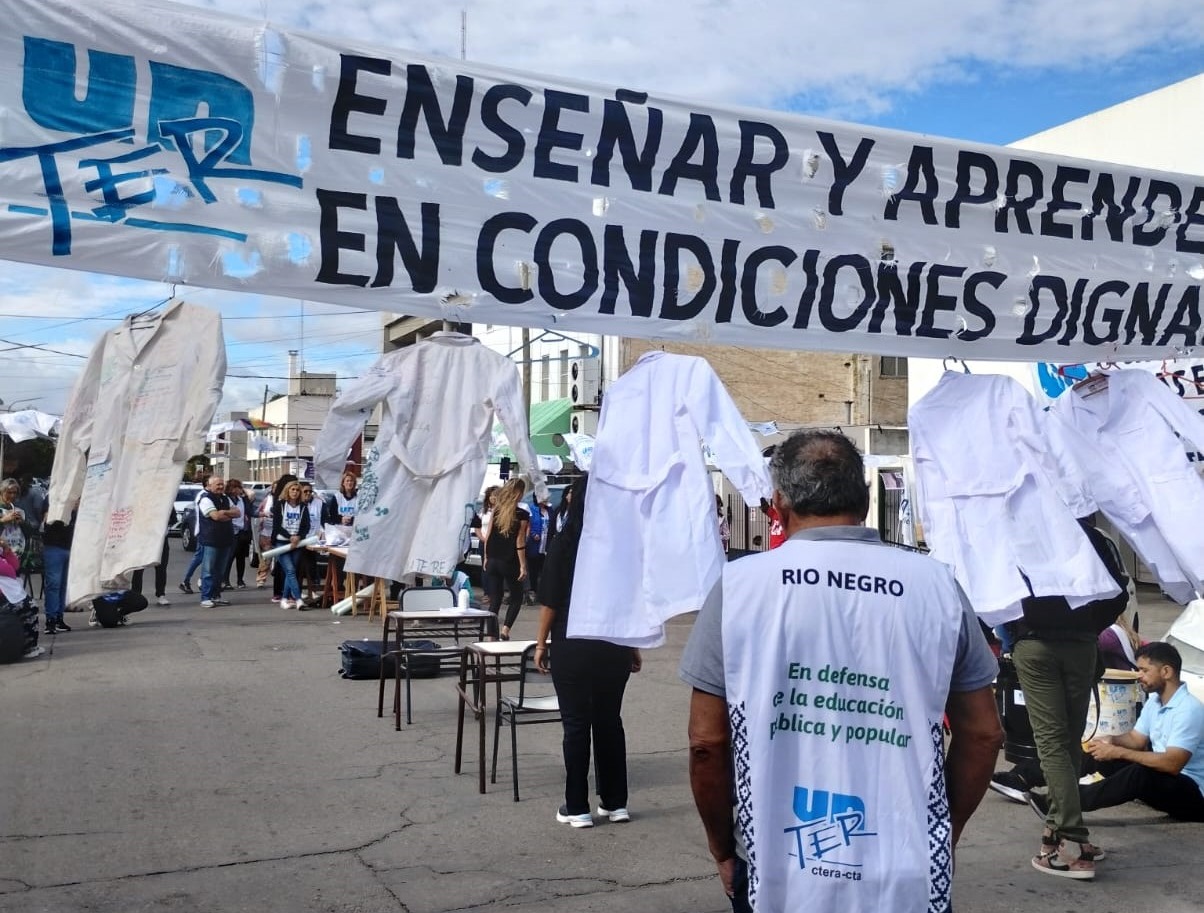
(779, 504)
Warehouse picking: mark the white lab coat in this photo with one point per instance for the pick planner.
(650, 547)
(137, 413)
(428, 462)
(1131, 434)
(991, 499)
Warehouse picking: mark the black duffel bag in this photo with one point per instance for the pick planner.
(362, 659)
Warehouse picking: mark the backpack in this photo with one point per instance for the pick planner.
(12, 635)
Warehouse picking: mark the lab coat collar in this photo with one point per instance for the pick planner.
(447, 337)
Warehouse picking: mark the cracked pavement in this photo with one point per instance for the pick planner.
(213, 760)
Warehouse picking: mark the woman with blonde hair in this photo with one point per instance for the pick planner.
(504, 554)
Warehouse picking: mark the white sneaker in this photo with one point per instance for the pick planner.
(163, 600)
(287, 604)
(35, 652)
(92, 622)
(207, 603)
(615, 814)
(563, 816)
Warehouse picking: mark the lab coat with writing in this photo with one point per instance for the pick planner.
(137, 413)
(992, 502)
(428, 462)
(1131, 430)
(650, 546)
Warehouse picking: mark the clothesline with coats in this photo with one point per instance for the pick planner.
(1002, 483)
(992, 468)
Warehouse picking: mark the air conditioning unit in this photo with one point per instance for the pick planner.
(583, 422)
(585, 378)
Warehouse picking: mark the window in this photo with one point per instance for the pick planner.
(893, 366)
(564, 373)
(545, 378)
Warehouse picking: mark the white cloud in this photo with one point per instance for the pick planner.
(858, 52)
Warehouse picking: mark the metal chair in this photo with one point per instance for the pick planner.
(528, 707)
(413, 599)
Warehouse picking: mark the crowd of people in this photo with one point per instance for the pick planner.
(915, 629)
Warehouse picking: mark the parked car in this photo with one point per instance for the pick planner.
(185, 498)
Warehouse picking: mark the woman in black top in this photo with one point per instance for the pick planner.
(505, 552)
(590, 677)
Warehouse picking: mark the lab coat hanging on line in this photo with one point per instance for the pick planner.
(428, 462)
(991, 501)
(650, 548)
(136, 415)
(1130, 431)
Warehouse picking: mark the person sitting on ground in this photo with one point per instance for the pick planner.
(12, 517)
(1161, 761)
(15, 599)
(1118, 645)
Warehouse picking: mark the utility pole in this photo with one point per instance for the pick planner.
(527, 379)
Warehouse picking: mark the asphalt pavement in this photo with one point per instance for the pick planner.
(213, 760)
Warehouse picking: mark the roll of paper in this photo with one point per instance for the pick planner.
(346, 606)
(281, 549)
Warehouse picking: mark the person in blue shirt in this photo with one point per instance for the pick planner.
(537, 545)
(1161, 761)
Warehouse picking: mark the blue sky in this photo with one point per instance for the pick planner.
(986, 70)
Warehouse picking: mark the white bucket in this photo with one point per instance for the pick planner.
(1119, 704)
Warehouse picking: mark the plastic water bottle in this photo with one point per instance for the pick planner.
(462, 599)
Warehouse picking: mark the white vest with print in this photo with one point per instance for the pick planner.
(837, 655)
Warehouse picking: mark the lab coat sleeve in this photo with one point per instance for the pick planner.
(346, 420)
(205, 385)
(726, 432)
(75, 438)
(508, 401)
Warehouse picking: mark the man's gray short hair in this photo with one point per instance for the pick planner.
(820, 474)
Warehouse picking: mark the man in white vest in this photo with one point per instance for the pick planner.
(821, 671)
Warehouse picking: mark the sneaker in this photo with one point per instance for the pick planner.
(563, 816)
(1010, 784)
(221, 602)
(275, 599)
(49, 630)
(207, 603)
(259, 584)
(35, 652)
(615, 814)
(92, 622)
(186, 587)
(242, 585)
(60, 626)
(1038, 802)
(163, 600)
(1092, 852)
(1058, 863)
(286, 604)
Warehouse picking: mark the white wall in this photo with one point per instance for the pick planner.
(1162, 130)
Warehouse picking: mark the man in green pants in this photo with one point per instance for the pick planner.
(1055, 655)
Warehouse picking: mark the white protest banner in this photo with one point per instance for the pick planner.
(168, 143)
